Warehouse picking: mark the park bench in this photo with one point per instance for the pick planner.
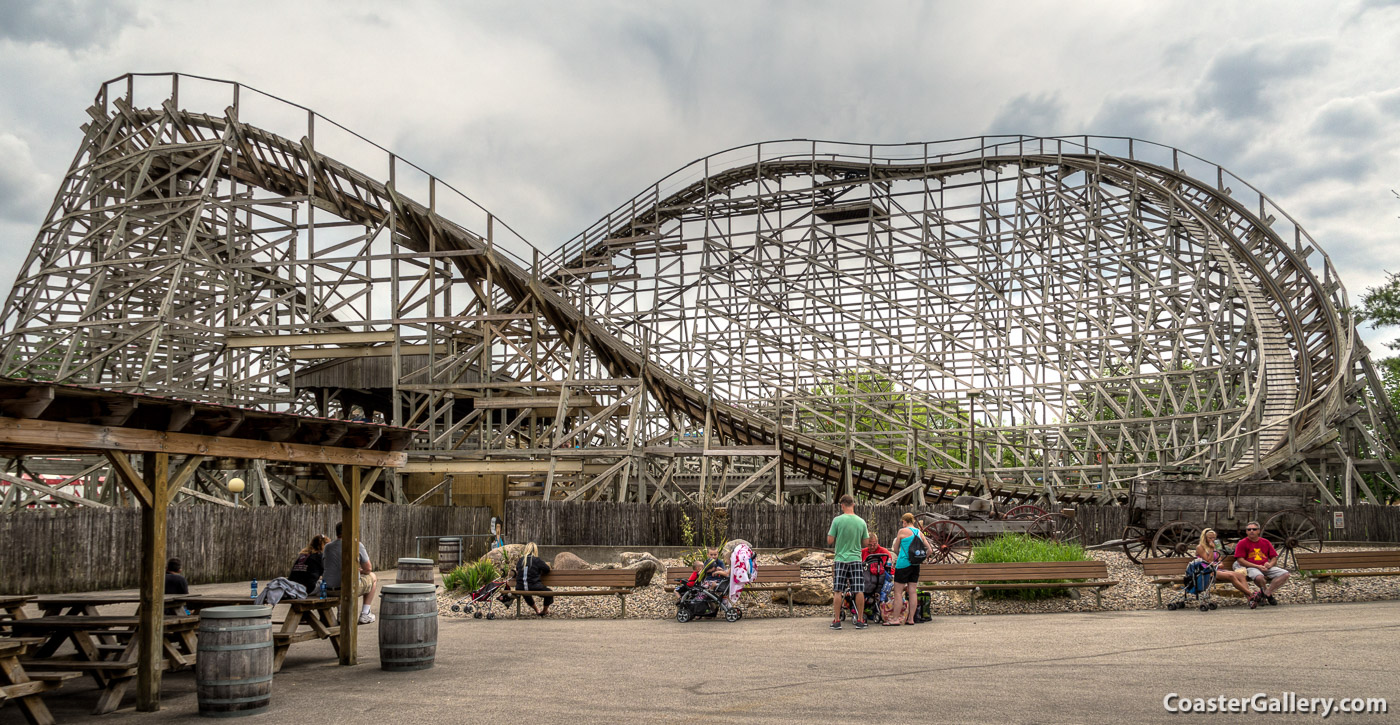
(12, 607)
(1324, 567)
(598, 583)
(976, 578)
(1166, 571)
(767, 578)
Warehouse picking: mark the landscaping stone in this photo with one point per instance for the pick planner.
(567, 560)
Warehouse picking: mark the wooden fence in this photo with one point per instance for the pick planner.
(93, 549)
(582, 523)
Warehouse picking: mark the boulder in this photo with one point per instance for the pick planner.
(499, 556)
(816, 591)
(630, 559)
(793, 556)
(729, 547)
(817, 558)
(646, 569)
(566, 561)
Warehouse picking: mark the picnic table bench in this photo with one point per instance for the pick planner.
(601, 583)
(1325, 567)
(976, 578)
(767, 578)
(319, 616)
(1166, 571)
(113, 668)
(12, 607)
(26, 688)
(51, 605)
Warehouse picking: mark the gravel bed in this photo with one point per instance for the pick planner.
(1134, 591)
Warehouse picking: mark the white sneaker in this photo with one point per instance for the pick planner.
(366, 618)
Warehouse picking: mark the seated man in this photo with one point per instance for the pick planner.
(175, 581)
(330, 558)
(1256, 556)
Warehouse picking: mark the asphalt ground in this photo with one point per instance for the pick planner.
(1098, 667)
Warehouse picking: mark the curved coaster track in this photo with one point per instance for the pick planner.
(1018, 317)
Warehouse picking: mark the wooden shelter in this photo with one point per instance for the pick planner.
(173, 438)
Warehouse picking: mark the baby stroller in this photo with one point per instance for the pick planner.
(706, 599)
(1197, 581)
(482, 600)
(879, 581)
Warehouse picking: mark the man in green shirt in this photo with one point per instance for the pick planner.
(848, 533)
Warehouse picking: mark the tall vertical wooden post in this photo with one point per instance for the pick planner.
(155, 470)
(349, 565)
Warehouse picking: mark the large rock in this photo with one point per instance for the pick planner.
(729, 547)
(566, 561)
(817, 558)
(646, 569)
(815, 591)
(629, 559)
(499, 556)
(793, 556)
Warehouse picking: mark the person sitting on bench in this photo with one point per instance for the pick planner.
(529, 570)
(1209, 552)
(1255, 556)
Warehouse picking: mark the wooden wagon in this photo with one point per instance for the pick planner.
(1166, 517)
(952, 535)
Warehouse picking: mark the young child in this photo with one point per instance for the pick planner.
(714, 571)
(696, 568)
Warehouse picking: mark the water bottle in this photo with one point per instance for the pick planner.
(323, 588)
(254, 589)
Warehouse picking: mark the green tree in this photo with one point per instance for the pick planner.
(1380, 307)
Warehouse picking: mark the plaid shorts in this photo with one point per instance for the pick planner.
(848, 576)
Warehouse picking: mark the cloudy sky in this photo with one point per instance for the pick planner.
(551, 114)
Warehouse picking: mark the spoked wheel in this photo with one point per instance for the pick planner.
(682, 614)
(734, 614)
(1024, 512)
(1178, 538)
(1290, 532)
(1135, 542)
(1059, 528)
(950, 542)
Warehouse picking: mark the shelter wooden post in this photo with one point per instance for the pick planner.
(151, 487)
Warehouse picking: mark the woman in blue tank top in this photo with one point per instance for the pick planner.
(905, 598)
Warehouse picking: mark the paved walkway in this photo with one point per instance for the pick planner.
(1109, 667)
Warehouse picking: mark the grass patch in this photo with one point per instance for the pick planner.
(470, 577)
(1014, 548)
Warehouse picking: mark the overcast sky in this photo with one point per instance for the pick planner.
(551, 114)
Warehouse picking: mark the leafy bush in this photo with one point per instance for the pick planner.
(1013, 548)
(470, 577)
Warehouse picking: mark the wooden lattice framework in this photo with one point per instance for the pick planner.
(1025, 317)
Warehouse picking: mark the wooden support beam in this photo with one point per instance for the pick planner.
(315, 338)
(150, 632)
(349, 565)
(127, 474)
(499, 466)
(55, 436)
(44, 490)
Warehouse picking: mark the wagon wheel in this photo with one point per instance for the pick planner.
(1024, 512)
(1292, 531)
(950, 543)
(1178, 538)
(1059, 528)
(1135, 542)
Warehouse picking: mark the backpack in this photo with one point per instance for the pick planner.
(917, 551)
(924, 611)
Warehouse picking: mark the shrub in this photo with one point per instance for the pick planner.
(1011, 548)
(470, 577)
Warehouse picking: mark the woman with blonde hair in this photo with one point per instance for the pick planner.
(529, 569)
(1209, 552)
(905, 597)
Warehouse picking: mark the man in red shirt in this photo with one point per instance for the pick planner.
(1256, 557)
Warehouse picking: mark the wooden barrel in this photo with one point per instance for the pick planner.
(408, 619)
(233, 670)
(449, 554)
(415, 571)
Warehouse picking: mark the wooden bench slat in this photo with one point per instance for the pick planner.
(1043, 575)
(53, 676)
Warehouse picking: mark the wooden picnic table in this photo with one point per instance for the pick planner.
(86, 604)
(26, 688)
(12, 607)
(112, 665)
(319, 616)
